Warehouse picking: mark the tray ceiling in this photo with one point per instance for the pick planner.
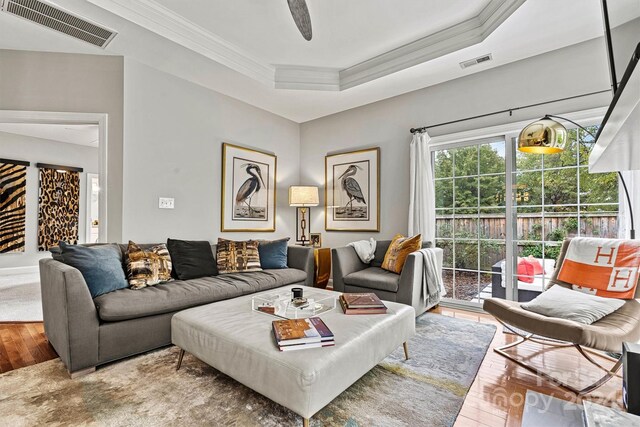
(256, 68)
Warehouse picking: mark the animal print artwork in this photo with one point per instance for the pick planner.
(13, 185)
(59, 207)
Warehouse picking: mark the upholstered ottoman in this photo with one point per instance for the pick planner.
(237, 341)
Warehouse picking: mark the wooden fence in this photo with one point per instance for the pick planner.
(529, 226)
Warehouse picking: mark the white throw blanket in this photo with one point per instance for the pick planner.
(366, 249)
(432, 284)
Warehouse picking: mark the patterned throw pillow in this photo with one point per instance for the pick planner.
(399, 250)
(236, 257)
(147, 267)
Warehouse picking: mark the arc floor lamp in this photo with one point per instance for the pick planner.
(547, 136)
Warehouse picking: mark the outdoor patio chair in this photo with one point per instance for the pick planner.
(606, 334)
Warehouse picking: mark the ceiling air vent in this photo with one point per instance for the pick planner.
(476, 61)
(60, 20)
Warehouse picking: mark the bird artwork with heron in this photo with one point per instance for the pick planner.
(245, 207)
(353, 190)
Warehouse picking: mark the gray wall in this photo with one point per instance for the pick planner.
(60, 82)
(574, 70)
(173, 135)
(36, 150)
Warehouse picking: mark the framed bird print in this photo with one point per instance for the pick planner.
(248, 189)
(352, 191)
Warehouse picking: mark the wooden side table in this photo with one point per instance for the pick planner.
(322, 267)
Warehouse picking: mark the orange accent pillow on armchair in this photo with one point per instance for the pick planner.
(399, 250)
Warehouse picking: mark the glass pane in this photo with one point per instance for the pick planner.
(466, 226)
(492, 190)
(567, 157)
(598, 187)
(444, 193)
(443, 164)
(561, 186)
(493, 224)
(527, 161)
(486, 284)
(492, 158)
(447, 278)
(466, 161)
(560, 222)
(466, 285)
(447, 249)
(599, 224)
(586, 145)
(466, 192)
(466, 255)
(444, 224)
(529, 224)
(528, 188)
(492, 253)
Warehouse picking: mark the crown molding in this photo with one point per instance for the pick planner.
(307, 78)
(156, 18)
(459, 36)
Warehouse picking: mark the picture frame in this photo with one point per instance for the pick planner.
(352, 191)
(315, 240)
(248, 189)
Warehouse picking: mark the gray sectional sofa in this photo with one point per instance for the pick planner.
(88, 332)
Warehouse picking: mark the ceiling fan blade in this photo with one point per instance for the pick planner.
(301, 17)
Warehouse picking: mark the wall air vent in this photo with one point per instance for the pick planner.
(60, 20)
(476, 61)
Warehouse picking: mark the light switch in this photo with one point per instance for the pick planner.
(165, 203)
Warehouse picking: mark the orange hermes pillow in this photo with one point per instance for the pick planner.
(399, 250)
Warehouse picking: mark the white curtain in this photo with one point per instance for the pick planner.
(422, 200)
(632, 179)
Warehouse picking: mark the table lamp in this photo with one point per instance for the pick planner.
(303, 197)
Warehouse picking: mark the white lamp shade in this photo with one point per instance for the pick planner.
(300, 195)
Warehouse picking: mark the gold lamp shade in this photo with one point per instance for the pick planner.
(544, 136)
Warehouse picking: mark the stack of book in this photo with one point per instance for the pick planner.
(298, 334)
(368, 303)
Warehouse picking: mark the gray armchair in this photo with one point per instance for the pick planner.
(350, 274)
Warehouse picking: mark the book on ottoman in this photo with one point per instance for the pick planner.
(297, 334)
(367, 303)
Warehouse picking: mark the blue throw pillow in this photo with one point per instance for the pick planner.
(101, 266)
(273, 254)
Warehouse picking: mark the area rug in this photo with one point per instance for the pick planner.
(20, 299)
(427, 390)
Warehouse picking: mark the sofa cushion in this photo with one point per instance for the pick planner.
(147, 267)
(191, 259)
(235, 257)
(273, 254)
(180, 294)
(381, 250)
(101, 266)
(374, 278)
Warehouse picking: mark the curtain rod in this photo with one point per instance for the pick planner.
(508, 110)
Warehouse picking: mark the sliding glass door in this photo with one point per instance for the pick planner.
(496, 206)
(471, 225)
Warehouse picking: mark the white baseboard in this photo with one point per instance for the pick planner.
(18, 270)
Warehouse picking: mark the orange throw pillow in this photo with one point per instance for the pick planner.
(525, 271)
(399, 250)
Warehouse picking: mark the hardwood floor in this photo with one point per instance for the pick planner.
(23, 344)
(496, 397)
